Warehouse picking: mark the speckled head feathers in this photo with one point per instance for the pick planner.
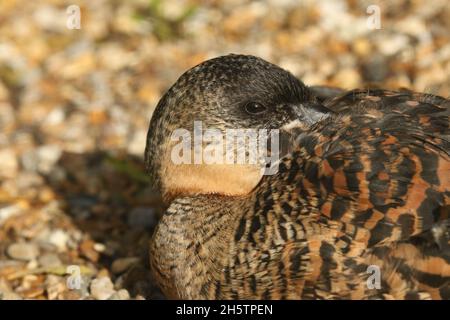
(228, 92)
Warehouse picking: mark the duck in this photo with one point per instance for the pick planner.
(356, 208)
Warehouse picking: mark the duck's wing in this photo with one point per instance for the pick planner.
(384, 166)
(381, 169)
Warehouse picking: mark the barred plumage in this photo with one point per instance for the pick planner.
(367, 185)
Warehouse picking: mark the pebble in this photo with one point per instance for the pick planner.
(122, 294)
(32, 264)
(9, 295)
(23, 251)
(88, 250)
(375, 69)
(59, 238)
(122, 264)
(29, 180)
(49, 260)
(48, 155)
(54, 286)
(29, 161)
(49, 18)
(4, 263)
(102, 288)
(9, 166)
(393, 44)
(99, 247)
(81, 205)
(6, 293)
(42, 159)
(347, 78)
(33, 293)
(137, 144)
(9, 211)
(70, 295)
(142, 217)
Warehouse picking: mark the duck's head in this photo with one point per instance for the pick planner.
(228, 92)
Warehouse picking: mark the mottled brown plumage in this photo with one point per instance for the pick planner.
(366, 184)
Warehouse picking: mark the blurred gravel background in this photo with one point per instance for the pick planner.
(75, 105)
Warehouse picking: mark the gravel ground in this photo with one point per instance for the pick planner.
(75, 203)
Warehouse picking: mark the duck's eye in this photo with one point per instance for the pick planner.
(254, 108)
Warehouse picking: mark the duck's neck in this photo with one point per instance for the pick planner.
(190, 245)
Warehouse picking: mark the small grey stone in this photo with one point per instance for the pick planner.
(29, 160)
(81, 205)
(49, 260)
(23, 251)
(142, 217)
(375, 69)
(48, 156)
(42, 159)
